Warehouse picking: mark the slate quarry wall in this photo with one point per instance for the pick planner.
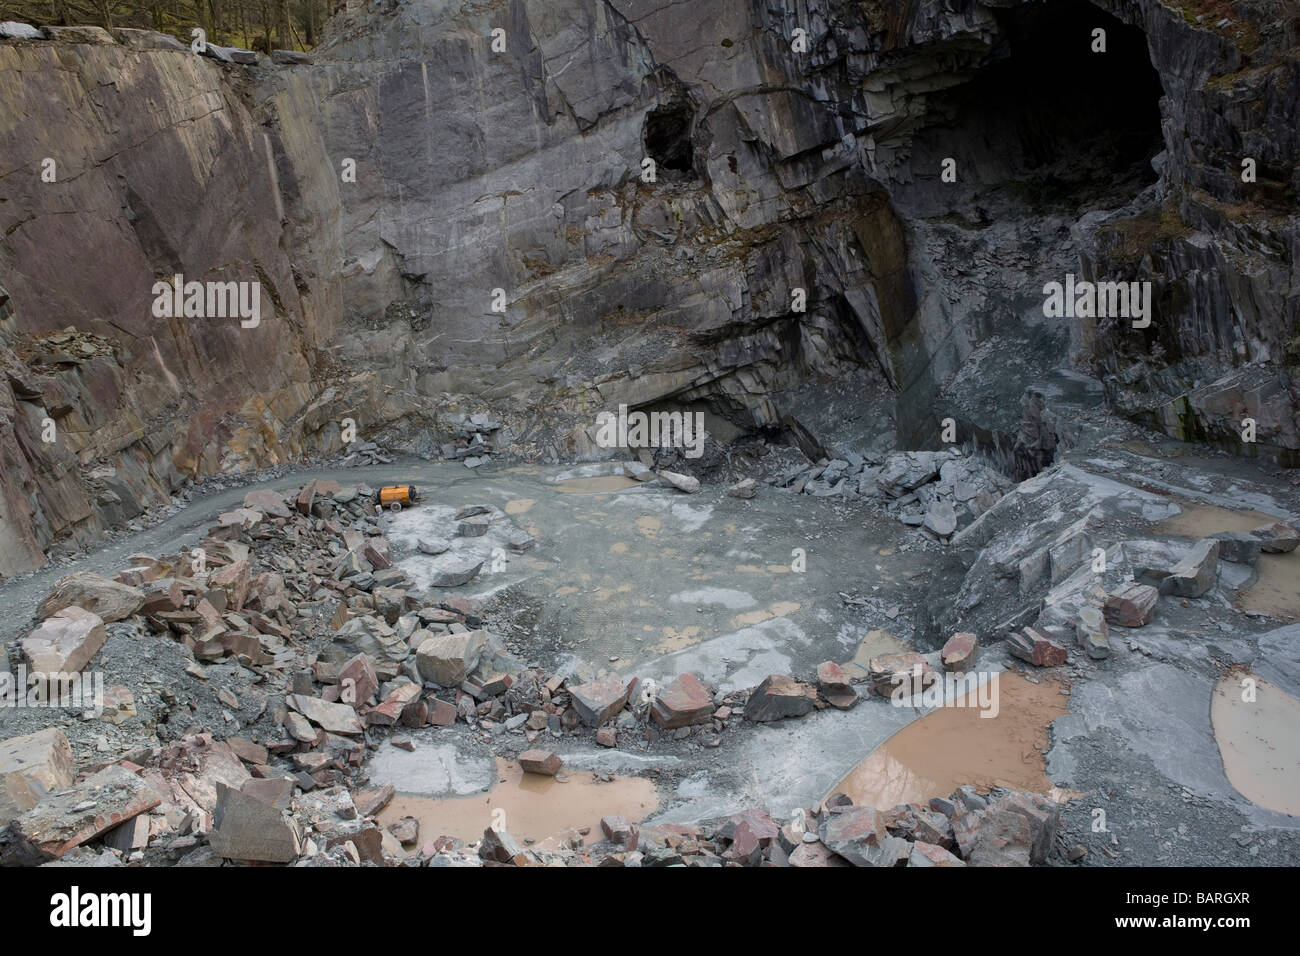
(487, 176)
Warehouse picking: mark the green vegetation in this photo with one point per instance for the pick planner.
(253, 24)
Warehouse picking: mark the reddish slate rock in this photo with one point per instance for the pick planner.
(746, 846)
(165, 594)
(357, 681)
(441, 713)
(684, 702)
(907, 674)
(248, 751)
(1000, 838)
(1133, 605)
(305, 498)
(377, 552)
(369, 841)
(267, 502)
(246, 827)
(415, 715)
(779, 697)
(858, 834)
(542, 762)
(393, 706)
(500, 847)
(1043, 815)
(1031, 646)
(960, 652)
(56, 824)
(756, 820)
(30, 767)
(598, 701)
(233, 579)
(65, 642)
(835, 686)
(605, 737)
(617, 830)
(107, 599)
(930, 854)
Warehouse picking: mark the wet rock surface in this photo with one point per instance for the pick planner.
(913, 476)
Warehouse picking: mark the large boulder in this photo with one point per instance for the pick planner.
(99, 595)
(447, 659)
(64, 643)
(30, 767)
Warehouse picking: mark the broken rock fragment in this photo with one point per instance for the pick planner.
(65, 642)
(835, 686)
(68, 818)
(335, 718)
(684, 702)
(1133, 605)
(598, 701)
(453, 573)
(1277, 538)
(1092, 632)
(1196, 573)
(743, 489)
(540, 762)
(858, 835)
(448, 659)
(779, 697)
(247, 828)
(905, 674)
(108, 599)
(683, 483)
(30, 767)
(960, 652)
(1030, 645)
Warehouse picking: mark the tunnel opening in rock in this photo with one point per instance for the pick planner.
(668, 140)
(1052, 125)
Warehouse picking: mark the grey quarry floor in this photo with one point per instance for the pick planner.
(650, 582)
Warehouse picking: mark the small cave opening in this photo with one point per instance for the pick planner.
(668, 140)
(1053, 125)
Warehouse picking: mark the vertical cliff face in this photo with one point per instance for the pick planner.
(443, 218)
(122, 167)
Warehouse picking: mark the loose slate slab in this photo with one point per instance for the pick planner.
(779, 697)
(598, 701)
(65, 642)
(92, 592)
(68, 818)
(335, 718)
(455, 573)
(1133, 605)
(684, 483)
(245, 827)
(30, 767)
(684, 702)
(448, 659)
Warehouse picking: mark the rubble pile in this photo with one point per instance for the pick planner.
(471, 440)
(300, 591)
(939, 492)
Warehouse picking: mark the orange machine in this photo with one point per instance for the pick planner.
(396, 497)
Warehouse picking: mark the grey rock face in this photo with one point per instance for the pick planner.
(796, 229)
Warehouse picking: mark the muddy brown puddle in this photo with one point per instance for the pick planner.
(1259, 741)
(952, 746)
(536, 807)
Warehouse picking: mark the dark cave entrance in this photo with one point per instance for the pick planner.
(1052, 124)
(668, 140)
